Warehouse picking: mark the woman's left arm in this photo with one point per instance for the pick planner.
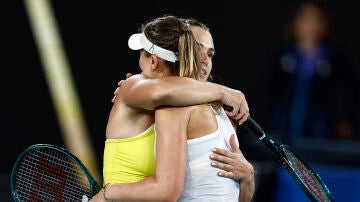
(171, 156)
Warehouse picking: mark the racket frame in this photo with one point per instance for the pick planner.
(94, 186)
(276, 148)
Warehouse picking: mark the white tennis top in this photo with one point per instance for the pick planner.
(202, 184)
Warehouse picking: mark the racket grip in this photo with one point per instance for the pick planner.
(249, 124)
(254, 127)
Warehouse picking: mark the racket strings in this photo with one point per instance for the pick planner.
(51, 176)
(307, 176)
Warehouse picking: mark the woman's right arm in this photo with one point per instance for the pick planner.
(234, 165)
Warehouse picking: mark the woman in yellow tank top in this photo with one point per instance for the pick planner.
(130, 159)
(132, 113)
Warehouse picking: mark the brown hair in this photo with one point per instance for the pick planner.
(171, 33)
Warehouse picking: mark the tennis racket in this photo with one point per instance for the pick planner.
(44, 172)
(306, 177)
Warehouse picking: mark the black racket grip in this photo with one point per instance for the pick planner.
(254, 127)
(250, 124)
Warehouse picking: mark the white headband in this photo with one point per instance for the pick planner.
(139, 41)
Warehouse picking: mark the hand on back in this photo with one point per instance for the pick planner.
(119, 85)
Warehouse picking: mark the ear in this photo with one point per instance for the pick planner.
(154, 62)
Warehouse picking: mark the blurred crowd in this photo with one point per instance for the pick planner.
(312, 82)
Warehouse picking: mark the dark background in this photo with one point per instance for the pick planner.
(95, 35)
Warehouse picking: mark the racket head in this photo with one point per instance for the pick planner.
(44, 172)
(305, 176)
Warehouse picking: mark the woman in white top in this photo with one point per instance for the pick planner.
(199, 124)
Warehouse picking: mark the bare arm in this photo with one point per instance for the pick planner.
(247, 189)
(182, 91)
(171, 154)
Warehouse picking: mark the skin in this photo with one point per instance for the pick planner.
(233, 163)
(189, 123)
(309, 27)
(172, 148)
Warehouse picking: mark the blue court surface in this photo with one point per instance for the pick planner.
(343, 183)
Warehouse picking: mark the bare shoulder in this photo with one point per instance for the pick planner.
(202, 121)
(196, 121)
(131, 82)
(189, 113)
(176, 110)
(175, 114)
(134, 78)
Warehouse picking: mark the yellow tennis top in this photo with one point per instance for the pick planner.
(131, 159)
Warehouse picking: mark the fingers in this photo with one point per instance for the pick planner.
(219, 151)
(232, 111)
(241, 117)
(237, 168)
(222, 155)
(120, 83)
(243, 114)
(128, 75)
(116, 92)
(226, 174)
(239, 114)
(232, 163)
(225, 169)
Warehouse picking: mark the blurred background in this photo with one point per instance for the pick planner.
(299, 70)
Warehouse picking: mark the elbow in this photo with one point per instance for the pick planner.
(175, 194)
(171, 193)
(169, 198)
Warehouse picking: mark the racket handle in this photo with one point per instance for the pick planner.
(250, 124)
(254, 127)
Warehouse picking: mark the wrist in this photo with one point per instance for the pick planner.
(222, 93)
(103, 190)
(250, 176)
